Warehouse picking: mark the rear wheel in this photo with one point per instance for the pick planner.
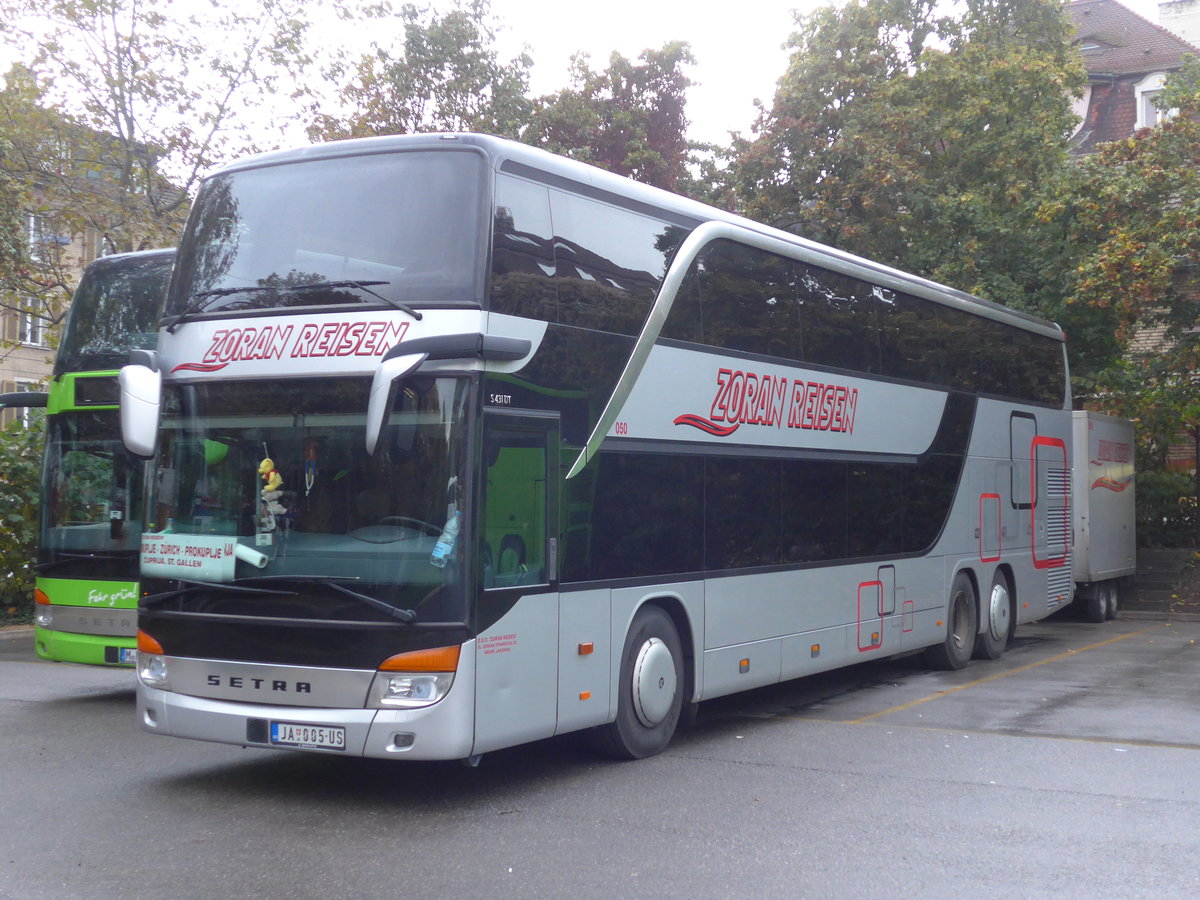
(962, 612)
(651, 689)
(1097, 603)
(1114, 600)
(997, 625)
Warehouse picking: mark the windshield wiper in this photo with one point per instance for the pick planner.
(337, 583)
(364, 286)
(201, 302)
(202, 299)
(157, 599)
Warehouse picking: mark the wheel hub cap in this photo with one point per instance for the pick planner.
(653, 682)
(998, 612)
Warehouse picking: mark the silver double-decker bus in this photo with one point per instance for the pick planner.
(458, 444)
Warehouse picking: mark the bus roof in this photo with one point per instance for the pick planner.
(554, 169)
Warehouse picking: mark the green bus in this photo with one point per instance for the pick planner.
(91, 514)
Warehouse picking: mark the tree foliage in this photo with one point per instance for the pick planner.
(12, 236)
(922, 140)
(1134, 213)
(446, 75)
(20, 476)
(629, 118)
(122, 106)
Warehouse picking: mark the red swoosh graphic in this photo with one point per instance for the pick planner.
(199, 367)
(1110, 484)
(706, 426)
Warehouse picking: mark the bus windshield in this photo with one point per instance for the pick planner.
(91, 519)
(115, 308)
(400, 228)
(281, 469)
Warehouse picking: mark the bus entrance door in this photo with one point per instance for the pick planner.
(516, 656)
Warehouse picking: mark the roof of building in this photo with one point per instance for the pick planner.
(1114, 40)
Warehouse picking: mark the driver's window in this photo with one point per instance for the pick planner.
(514, 523)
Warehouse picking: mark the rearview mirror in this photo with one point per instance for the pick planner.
(141, 389)
(389, 372)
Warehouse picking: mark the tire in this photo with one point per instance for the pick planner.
(1114, 600)
(650, 692)
(997, 611)
(1097, 603)
(961, 626)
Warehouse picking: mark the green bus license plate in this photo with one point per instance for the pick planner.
(128, 655)
(319, 737)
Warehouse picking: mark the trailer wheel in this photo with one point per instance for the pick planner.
(1114, 600)
(651, 689)
(998, 617)
(1097, 603)
(962, 619)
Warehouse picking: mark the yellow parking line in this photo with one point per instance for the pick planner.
(979, 681)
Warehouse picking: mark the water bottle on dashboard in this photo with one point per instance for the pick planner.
(444, 548)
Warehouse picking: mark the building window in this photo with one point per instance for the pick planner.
(32, 329)
(42, 239)
(17, 413)
(1149, 115)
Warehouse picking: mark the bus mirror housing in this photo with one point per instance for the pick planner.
(141, 390)
(382, 385)
(407, 356)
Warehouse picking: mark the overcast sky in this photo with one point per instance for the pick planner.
(737, 46)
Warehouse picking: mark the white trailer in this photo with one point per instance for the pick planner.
(1104, 516)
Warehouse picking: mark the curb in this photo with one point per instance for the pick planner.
(13, 631)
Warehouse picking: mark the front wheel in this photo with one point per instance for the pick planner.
(651, 689)
(962, 612)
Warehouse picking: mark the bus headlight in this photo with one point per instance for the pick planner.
(152, 670)
(43, 612)
(409, 690)
(416, 679)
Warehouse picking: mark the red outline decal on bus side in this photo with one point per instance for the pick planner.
(999, 529)
(878, 617)
(1053, 562)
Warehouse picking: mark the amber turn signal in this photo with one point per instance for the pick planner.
(439, 659)
(147, 644)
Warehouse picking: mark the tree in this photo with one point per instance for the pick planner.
(20, 476)
(629, 119)
(446, 76)
(924, 141)
(12, 241)
(1134, 209)
(123, 105)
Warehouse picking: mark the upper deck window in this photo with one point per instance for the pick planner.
(389, 227)
(116, 308)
